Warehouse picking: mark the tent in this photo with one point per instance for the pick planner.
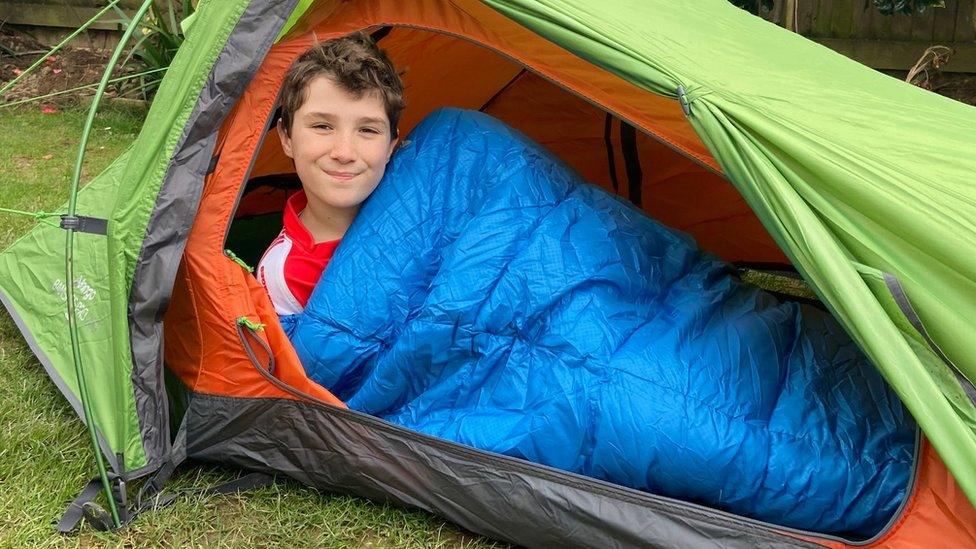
(764, 146)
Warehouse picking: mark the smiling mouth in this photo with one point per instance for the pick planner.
(343, 176)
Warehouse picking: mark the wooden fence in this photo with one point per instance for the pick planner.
(68, 14)
(852, 27)
(856, 29)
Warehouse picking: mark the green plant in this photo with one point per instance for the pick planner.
(161, 36)
(754, 6)
(886, 7)
(889, 7)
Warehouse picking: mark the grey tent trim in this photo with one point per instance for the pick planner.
(113, 460)
(175, 209)
(493, 495)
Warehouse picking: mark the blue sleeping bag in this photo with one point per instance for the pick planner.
(485, 294)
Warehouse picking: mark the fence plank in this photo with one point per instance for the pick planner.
(901, 26)
(945, 22)
(882, 54)
(804, 16)
(966, 21)
(862, 20)
(62, 14)
(820, 25)
(923, 24)
(880, 24)
(841, 18)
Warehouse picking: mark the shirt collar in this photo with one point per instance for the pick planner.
(297, 231)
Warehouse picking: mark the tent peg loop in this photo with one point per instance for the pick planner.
(683, 99)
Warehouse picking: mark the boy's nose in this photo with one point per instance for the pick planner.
(342, 150)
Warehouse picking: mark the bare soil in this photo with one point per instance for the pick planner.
(956, 85)
(66, 69)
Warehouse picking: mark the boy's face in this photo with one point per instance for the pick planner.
(340, 145)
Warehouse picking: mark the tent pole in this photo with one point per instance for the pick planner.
(67, 224)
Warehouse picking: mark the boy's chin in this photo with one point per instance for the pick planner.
(344, 203)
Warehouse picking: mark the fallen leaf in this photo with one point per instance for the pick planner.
(51, 59)
(17, 72)
(48, 156)
(56, 71)
(49, 109)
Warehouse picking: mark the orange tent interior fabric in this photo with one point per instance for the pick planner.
(937, 513)
(463, 54)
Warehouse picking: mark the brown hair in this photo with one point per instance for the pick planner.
(355, 64)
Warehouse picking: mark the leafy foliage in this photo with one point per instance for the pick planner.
(161, 36)
(889, 7)
(754, 6)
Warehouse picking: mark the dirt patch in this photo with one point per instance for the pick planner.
(67, 69)
(958, 86)
(21, 162)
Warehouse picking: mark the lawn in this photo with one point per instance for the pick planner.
(45, 457)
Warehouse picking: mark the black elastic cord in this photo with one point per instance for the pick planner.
(635, 176)
(501, 91)
(611, 161)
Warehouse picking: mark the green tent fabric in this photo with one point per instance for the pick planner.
(32, 269)
(861, 179)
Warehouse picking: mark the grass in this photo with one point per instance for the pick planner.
(45, 458)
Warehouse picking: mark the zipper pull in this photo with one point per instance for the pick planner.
(250, 324)
(238, 260)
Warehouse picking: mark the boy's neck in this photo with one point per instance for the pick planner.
(326, 224)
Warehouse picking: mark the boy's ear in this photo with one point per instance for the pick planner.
(285, 139)
(393, 146)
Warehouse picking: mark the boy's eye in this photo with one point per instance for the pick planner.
(370, 130)
(321, 126)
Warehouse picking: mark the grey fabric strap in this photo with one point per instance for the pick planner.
(901, 298)
(250, 481)
(85, 224)
(150, 497)
(75, 511)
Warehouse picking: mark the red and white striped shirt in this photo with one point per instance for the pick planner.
(293, 263)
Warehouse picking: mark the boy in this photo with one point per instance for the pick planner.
(340, 103)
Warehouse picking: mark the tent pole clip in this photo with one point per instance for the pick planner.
(70, 222)
(683, 99)
(84, 224)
